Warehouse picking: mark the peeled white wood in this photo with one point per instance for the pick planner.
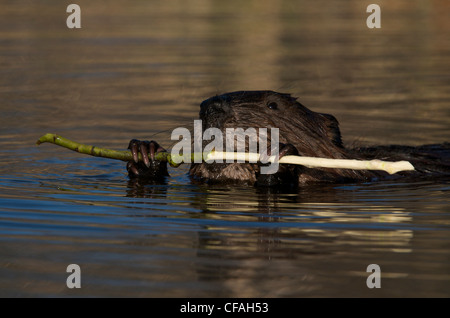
(390, 167)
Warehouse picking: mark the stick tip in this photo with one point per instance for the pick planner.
(400, 166)
(45, 138)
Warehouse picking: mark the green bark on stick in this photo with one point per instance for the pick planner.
(124, 155)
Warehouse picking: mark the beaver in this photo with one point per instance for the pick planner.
(301, 132)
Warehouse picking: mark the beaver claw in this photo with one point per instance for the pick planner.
(149, 167)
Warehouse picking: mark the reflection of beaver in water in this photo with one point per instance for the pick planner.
(301, 132)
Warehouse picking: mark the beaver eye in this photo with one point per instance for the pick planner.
(272, 105)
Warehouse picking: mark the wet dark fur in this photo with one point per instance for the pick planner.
(310, 134)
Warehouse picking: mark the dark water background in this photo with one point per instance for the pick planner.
(138, 69)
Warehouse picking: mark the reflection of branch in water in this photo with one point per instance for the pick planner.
(355, 213)
(396, 241)
(281, 231)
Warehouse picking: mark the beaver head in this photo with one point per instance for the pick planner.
(312, 134)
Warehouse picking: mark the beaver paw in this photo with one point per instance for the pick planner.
(148, 167)
(286, 174)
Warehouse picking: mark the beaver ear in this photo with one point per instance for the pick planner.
(292, 98)
(333, 131)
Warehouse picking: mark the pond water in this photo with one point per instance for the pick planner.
(139, 69)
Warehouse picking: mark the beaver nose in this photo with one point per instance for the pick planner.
(214, 106)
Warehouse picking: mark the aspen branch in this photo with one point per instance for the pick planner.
(124, 155)
(311, 162)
